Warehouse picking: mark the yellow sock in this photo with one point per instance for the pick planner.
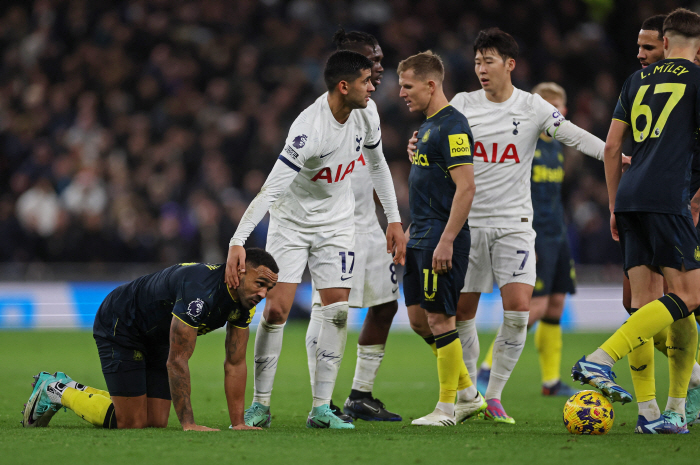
(643, 325)
(99, 392)
(464, 380)
(93, 408)
(660, 341)
(488, 359)
(641, 362)
(450, 364)
(682, 344)
(548, 344)
(697, 318)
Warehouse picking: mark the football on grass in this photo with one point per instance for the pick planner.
(588, 412)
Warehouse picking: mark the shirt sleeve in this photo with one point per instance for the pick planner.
(547, 116)
(622, 109)
(302, 143)
(456, 145)
(373, 134)
(191, 307)
(383, 184)
(242, 319)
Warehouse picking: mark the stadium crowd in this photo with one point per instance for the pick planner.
(139, 131)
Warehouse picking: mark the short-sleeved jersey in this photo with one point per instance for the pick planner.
(505, 136)
(324, 153)
(547, 176)
(361, 183)
(661, 104)
(444, 141)
(194, 293)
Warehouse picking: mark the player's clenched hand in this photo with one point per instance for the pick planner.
(613, 228)
(442, 258)
(396, 242)
(234, 262)
(626, 162)
(198, 428)
(243, 426)
(412, 145)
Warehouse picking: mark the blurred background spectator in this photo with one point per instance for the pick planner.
(139, 131)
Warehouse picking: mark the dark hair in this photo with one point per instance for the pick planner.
(495, 39)
(655, 23)
(256, 257)
(683, 22)
(344, 65)
(353, 40)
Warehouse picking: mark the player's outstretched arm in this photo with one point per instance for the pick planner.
(281, 176)
(235, 373)
(613, 166)
(569, 134)
(463, 177)
(182, 342)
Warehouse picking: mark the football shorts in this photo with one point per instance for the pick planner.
(329, 254)
(555, 268)
(436, 293)
(506, 254)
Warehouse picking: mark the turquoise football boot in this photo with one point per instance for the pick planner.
(692, 405)
(257, 415)
(39, 410)
(61, 377)
(323, 417)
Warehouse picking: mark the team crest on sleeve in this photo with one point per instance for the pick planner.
(195, 308)
(300, 141)
(459, 145)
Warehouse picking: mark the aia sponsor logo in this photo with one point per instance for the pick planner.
(509, 153)
(337, 175)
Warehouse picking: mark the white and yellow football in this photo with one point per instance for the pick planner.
(588, 412)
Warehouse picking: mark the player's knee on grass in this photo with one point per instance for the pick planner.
(131, 412)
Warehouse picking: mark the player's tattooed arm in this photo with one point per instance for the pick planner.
(235, 373)
(182, 342)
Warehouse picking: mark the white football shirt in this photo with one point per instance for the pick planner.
(363, 188)
(324, 153)
(505, 137)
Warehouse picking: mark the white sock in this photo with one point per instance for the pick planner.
(467, 394)
(601, 357)
(676, 404)
(268, 345)
(447, 408)
(649, 409)
(470, 345)
(506, 351)
(75, 385)
(312, 339)
(329, 350)
(694, 377)
(368, 360)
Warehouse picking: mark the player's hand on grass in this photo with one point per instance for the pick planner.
(244, 427)
(412, 145)
(198, 428)
(442, 257)
(626, 162)
(613, 228)
(396, 242)
(234, 262)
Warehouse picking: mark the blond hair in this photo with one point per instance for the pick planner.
(548, 90)
(425, 65)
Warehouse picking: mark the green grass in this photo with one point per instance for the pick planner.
(407, 383)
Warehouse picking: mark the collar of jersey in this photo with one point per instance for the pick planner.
(438, 111)
(229, 293)
(675, 58)
(327, 107)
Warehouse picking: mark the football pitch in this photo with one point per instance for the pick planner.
(407, 383)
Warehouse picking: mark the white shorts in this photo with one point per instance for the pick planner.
(329, 254)
(506, 254)
(375, 280)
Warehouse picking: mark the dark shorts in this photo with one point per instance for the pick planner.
(555, 268)
(134, 371)
(435, 293)
(658, 240)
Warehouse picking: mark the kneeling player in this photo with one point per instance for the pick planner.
(145, 332)
(441, 190)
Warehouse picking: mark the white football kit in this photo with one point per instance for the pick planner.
(500, 220)
(374, 273)
(312, 217)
